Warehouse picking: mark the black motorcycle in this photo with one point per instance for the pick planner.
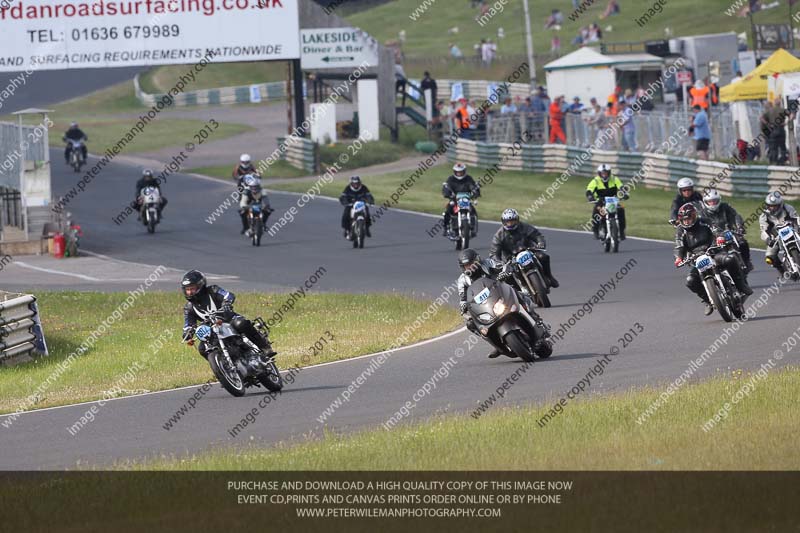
(235, 360)
(527, 272)
(503, 320)
(717, 281)
(255, 217)
(358, 223)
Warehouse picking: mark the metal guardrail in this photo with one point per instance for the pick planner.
(224, 95)
(649, 170)
(21, 335)
(301, 153)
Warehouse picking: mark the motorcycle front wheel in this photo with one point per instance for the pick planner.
(517, 344)
(230, 379)
(720, 303)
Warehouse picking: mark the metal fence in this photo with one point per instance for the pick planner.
(666, 132)
(12, 154)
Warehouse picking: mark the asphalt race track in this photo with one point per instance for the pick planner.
(401, 257)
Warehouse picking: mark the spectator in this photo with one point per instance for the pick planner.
(629, 98)
(526, 106)
(508, 107)
(699, 94)
(614, 99)
(611, 9)
(595, 33)
(486, 53)
(400, 77)
(428, 83)
(555, 20)
(628, 127)
(776, 133)
(555, 43)
(701, 130)
(556, 117)
(576, 107)
(597, 120)
(462, 118)
(455, 51)
(582, 37)
(540, 101)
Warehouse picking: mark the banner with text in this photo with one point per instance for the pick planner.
(60, 34)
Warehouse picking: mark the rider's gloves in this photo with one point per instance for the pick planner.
(227, 308)
(463, 306)
(770, 241)
(678, 261)
(672, 221)
(504, 275)
(188, 333)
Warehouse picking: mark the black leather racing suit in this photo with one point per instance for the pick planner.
(453, 186)
(214, 298)
(678, 202)
(350, 196)
(726, 218)
(141, 183)
(506, 243)
(697, 239)
(75, 134)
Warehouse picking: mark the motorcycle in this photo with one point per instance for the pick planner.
(255, 216)
(527, 272)
(501, 318)
(150, 199)
(788, 249)
(609, 211)
(236, 362)
(76, 160)
(463, 223)
(358, 223)
(717, 281)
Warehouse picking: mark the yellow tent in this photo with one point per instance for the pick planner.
(754, 85)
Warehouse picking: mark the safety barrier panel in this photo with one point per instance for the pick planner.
(648, 169)
(225, 95)
(300, 153)
(21, 335)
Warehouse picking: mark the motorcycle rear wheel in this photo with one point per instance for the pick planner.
(541, 298)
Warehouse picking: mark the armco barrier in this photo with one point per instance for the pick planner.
(21, 336)
(654, 170)
(224, 95)
(301, 153)
(477, 89)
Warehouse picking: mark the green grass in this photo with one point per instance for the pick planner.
(647, 211)
(427, 38)
(363, 324)
(100, 116)
(162, 79)
(599, 433)
(371, 153)
(279, 169)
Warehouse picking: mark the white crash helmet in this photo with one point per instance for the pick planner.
(712, 200)
(510, 219)
(685, 183)
(774, 203)
(245, 160)
(459, 171)
(603, 167)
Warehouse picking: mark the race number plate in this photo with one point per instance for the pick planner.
(482, 296)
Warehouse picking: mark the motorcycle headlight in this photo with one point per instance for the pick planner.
(499, 308)
(485, 317)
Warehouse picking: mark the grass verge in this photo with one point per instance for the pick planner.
(279, 169)
(647, 211)
(215, 75)
(109, 114)
(362, 324)
(595, 434)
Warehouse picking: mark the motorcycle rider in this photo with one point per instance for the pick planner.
(74, 133)
(474, 268)
(244, 168)
(601, 186)
(776, 212)
(252, 193)
(203, 299)
(686, 194)
(515, 236)
(459, 182)
(354, 192)
(722, 216)
(148, 180)
(694, 236)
